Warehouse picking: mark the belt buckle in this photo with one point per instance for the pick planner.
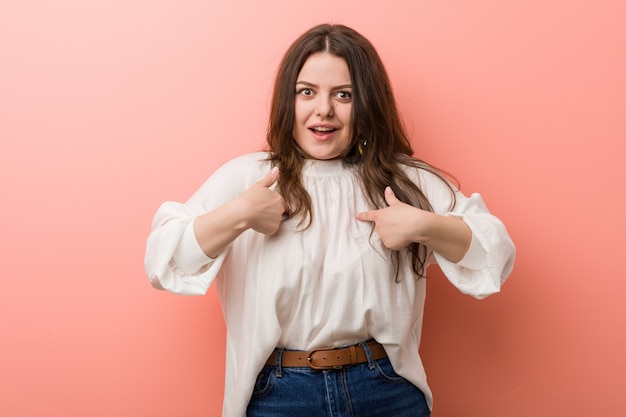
(321, 367)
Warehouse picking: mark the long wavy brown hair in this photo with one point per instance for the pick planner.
(379, 146)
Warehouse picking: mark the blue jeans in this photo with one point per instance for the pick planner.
(366, 390)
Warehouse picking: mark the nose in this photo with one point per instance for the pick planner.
(324, 107)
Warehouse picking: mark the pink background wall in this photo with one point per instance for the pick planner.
(108, 108)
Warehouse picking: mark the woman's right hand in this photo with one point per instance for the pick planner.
(258, 208)
(264, 208)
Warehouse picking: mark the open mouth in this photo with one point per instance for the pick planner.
(322, 129)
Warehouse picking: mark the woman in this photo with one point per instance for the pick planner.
(319, 246)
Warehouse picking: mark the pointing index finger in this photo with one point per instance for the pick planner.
(366, 216)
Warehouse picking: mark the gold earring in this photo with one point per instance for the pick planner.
(361, 147)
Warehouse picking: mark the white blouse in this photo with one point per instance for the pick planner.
(329, 285)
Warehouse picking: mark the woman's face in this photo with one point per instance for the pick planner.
(323, 106)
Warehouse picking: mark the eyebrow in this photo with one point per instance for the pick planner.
(338, 87)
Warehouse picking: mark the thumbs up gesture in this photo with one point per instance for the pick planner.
(264, 207)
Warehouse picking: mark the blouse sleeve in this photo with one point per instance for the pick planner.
(489, 260)
(174, 260)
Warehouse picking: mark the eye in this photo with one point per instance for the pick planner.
(307, 92)
(344, 95)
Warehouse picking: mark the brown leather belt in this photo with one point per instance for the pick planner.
(330, 358)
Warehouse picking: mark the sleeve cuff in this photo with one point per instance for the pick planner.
(476, 256)
(189, 256)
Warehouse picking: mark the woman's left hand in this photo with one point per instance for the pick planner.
(399, 224)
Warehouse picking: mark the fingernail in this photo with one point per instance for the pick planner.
(274, 170)
(388, 190)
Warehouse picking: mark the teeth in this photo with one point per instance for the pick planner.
(323, 129)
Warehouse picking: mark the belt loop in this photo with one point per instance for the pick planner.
(279, 362)
(368, 353)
